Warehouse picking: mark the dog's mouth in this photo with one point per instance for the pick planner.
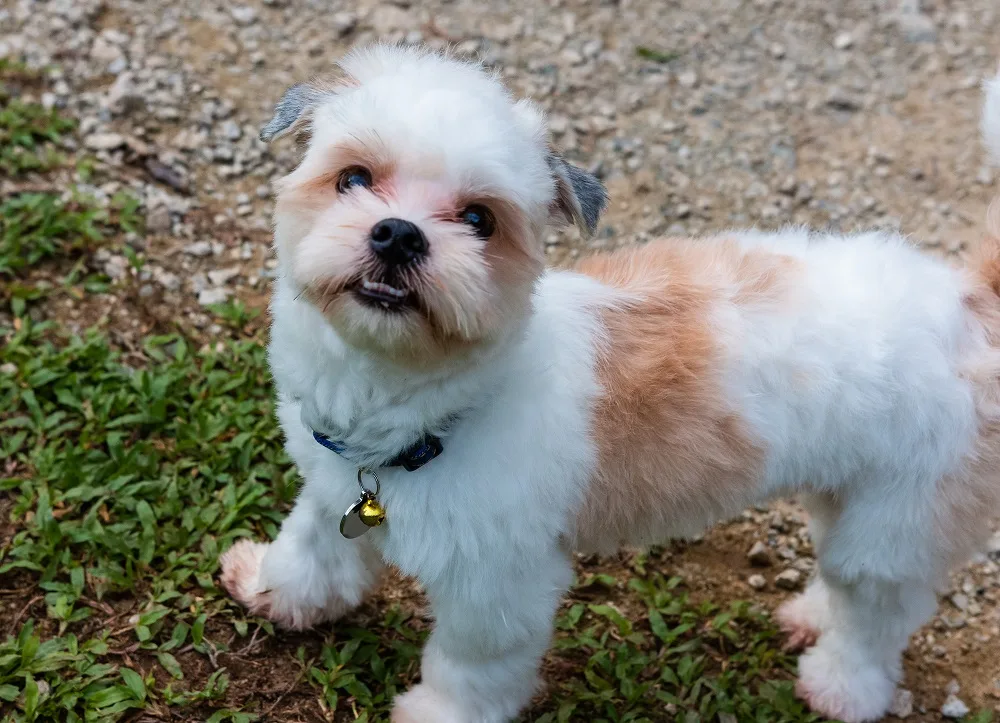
(383, 295)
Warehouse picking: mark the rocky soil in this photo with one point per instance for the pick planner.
(699, 116)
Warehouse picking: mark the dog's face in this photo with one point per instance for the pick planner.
(414, 221)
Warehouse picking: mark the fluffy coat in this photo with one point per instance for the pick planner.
(643, 395)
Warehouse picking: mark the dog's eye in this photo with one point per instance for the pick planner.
(481, 220)
(354, 177)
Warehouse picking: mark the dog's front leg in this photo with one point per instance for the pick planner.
(309, 574)
(493, 624)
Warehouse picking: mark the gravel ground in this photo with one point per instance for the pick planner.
(699, 116)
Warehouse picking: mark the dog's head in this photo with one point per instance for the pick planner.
(415, 220)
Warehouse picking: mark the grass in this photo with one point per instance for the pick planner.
(656, 56)
(29, 132)
(124, 473)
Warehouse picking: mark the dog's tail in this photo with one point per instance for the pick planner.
(988, 261)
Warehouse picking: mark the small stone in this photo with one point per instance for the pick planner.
(198, 248)
(954, 708)
(843, 41)
(220, 276)
(104, 141)
(122, 95)
(956, 621)
(558, 124)
(993, 546)
(158, 220)
(166, 279)
(757, 582)
(688, 79)
(838, 99)
(231, 130)
(902, 704)
(952, 688)
(8, 368)
(788, 580)
(960, 601)
(116, 267)
(759, 555)
(208, 297)
(344, 22)
(243, 15)
(916, 27)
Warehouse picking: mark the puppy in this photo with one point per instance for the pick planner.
(463, 413)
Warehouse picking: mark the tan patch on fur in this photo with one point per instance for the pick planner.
(672, 450)
(970, 499)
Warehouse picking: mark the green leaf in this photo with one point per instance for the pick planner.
(135, 683)
(170, 664)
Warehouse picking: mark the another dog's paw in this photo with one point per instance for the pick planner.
(422, 704)
(843, 689)
(800, 620)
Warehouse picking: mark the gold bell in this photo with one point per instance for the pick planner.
(372, 513)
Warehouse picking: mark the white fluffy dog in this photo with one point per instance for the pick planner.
(461, 412)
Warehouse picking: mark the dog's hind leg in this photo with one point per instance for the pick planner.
(878, 565)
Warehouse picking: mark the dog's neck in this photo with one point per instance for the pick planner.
(374, 407)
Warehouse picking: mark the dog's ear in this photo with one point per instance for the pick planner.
(293, 111)
(580, 197)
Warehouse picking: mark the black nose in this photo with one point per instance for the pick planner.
(398, 242)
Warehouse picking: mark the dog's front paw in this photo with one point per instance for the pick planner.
(241, 576)
(422, 704)
(799, 622)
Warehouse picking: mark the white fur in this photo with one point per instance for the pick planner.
(854, 391)
(991, 118)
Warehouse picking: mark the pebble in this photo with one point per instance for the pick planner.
(954, 708)
(843, 41)
(902, 703)
(168, 280)
(221, 276)
(158, 220)
(838, 99)
(757, 582)
(198, 248)
(759, 555)
(231, 130)
(243, 14)
(789, 579)
(8, 368)
(688, 79)
(104, 141)
(993, 545)
(210, 296)
(917, 27)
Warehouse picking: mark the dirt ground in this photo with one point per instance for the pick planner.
(700, 116)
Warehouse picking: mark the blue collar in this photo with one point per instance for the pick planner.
(410, 459)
